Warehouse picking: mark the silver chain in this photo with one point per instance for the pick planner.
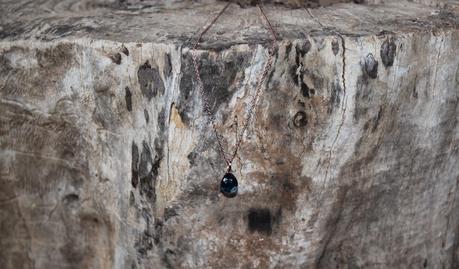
(260, 82)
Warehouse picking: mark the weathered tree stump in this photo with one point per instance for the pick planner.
(107, 159)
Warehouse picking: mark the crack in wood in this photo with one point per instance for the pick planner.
(343, 79)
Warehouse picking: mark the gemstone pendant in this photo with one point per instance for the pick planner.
(228, 185)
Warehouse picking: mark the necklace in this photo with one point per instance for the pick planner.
(229, 184)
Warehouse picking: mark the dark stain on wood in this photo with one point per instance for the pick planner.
(222, 70)
(221, 74)
(128, 98)
(151, 83)
(260, 220)
(335, 97)
(170, 212)
(116, 58)
(158, 230)
(131, 198)
(146, 115)
(305, 91)
(187, 83)
(387, 52)
(371, 66)
(335, 47)
(124, 50)
(293, 74)
(414, 90)
(146, 170)
(71, 199)
(192, 158)
(300, 119)
(134, 165)
(298, 80)
(301, 50)
(162, 119)
(167, 65)
(378, 119)
(288, 48)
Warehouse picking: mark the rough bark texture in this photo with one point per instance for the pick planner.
(107, 161)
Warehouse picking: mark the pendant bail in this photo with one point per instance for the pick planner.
(229, 168)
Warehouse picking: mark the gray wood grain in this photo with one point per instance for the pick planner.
(107, 159)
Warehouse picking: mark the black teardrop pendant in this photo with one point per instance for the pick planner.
(228, 185)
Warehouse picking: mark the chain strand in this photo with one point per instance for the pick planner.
(260, 82)
(207, 108)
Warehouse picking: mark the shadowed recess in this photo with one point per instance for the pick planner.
(259, 220)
